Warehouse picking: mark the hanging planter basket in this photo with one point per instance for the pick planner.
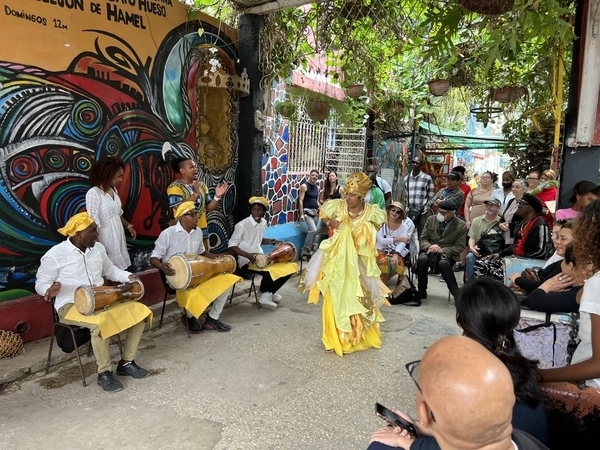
(488, 7)
(354, 90)
(439, 87)
(317, 110)
(509, 94)
(286, 109)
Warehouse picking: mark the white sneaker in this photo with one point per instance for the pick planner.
(265, 300)
(276, 298)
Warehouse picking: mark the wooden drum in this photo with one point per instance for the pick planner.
(284, 252)
(191, 270)
(89, 299)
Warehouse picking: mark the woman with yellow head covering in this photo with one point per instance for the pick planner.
(344, 270)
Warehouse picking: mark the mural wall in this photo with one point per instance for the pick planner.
(81, 80)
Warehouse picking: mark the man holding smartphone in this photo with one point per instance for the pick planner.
(465, 399)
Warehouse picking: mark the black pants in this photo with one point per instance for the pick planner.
(444, 266)
(267, 283)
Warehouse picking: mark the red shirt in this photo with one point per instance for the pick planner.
(466, 189)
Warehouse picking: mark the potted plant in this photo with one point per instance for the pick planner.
(439, 86)
(286, 108)
(318, 110)
(354, 90)
(509, 94)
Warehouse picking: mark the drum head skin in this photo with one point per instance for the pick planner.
(183, 272)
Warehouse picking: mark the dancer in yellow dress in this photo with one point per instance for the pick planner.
(344, 270)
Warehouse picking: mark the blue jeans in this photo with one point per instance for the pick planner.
(470, 265)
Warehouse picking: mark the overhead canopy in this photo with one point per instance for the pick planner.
(463, 141)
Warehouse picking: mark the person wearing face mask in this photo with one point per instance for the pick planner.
(505, 193)
(488, 223)
(441, 243)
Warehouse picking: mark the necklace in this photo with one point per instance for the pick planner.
(354, 215)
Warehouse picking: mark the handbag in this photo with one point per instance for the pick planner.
(405, 292)
(490, 243)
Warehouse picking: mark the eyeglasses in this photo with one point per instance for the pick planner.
(486, 178)
(371, 171)
(397, 211)
(532, 179)
(413, 370)
(416, 163)
(522, 203)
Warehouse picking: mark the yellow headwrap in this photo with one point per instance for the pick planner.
(358, 183)
(260, 200)
(78, 222)
(183, 208)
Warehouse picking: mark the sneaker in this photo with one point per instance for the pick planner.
(131, 369)
(215, 325)
(265, 300)
(458, 267)
(276, 298)
(192, 324)
(108, 382)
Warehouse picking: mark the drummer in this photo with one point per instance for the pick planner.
(245, 243)
(81, 260)
(185, 238)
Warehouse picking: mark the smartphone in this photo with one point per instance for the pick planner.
(395, 420)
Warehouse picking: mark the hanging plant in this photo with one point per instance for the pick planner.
(354, 90)
(318, 110)
(509, 94)
(488, 7)
(286, 108)
(439, 87)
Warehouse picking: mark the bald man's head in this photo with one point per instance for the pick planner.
(469, 391)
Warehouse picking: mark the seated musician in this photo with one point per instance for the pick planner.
(81, 260)
(186, 238)
(245, 243)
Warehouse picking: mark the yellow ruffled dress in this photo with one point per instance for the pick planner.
(349, 280)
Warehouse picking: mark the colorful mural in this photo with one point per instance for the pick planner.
(99, 80)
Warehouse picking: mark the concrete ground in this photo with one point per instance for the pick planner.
(267, 384)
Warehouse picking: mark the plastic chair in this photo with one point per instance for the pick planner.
(76, 337)
(314, 246)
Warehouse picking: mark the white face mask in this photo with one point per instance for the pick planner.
(439, 217)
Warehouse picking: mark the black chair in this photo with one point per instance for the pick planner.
(314, 246)
(168, 292)
(247, 274)
(69, 338)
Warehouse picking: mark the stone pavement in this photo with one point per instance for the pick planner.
(267, 384)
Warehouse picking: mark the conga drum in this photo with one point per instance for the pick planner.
(284, 252)
(191, 270)
(89, 299)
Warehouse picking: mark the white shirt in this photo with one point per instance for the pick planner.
(590, 304)
(384, 185)
(72, 268)
(247, 236)
(499, 194)
(385, 237)
(106, 212)
(176, 240)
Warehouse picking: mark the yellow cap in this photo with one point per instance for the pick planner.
(78, 222)
(183, 208)
(359, 184)
(260, 200)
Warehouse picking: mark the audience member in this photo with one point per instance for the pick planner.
(578, 201)
(420, 192)
(464, 187)
(332, 189)
(585, 364)
(392, 242)
(465, 400)
(380, 182)
(505, 193)
(308, 205)
(475, 202)
(442, 241)
(451, 193)
(488, 223)
(531, 239)
(510, 217)
(546, 191)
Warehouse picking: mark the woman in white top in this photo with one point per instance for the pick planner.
(104, 206)
(392, 238)
(585, 365)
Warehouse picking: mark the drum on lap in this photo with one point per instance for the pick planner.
(89, 299)
(283, 252)
(191, 270)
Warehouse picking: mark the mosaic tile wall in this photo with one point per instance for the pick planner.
(280, 187)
